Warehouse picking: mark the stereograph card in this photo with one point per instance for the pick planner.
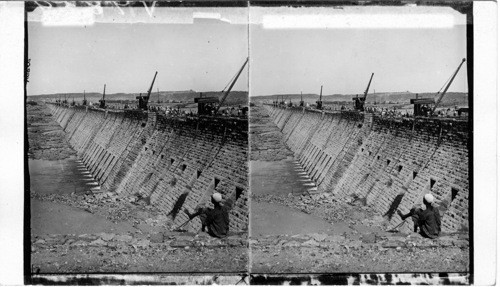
(249, 142)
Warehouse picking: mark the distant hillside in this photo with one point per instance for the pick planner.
(234, 98)
(380, 98)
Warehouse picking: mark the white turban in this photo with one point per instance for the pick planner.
(217, 197)
(429, 198)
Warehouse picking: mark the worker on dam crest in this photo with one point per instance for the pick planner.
(215, 220)
(428, 220)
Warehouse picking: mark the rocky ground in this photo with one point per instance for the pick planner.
(349, 237)
(138, 252)
(99, 231)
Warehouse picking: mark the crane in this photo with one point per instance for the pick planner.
(359, 103)
(84, 99)
(230, 87)
(368, 87)
(447, 86)
(319, 104)
(102, 102)
(143, 101)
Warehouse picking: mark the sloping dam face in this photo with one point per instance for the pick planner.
(389, 163)
(176, 163)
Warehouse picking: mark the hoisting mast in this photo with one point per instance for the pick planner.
(319, 103)
(102, 102)
(84, 99)
(359, 103)
(447, 86)
(143, 101)
(230, 87)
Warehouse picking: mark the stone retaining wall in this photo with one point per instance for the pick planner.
(175, 163)
(389, 163)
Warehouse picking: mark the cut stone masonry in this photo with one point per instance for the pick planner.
(175, 163)
(390, 163)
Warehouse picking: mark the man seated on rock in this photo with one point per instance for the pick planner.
(215, 220)
(428, 220)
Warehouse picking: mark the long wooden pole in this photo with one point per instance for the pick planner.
(447, 86)
(230, 87)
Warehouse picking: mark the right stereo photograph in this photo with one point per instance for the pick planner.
(360, 141)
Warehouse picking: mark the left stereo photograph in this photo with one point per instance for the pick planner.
(138, 140)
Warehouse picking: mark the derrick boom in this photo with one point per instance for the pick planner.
(230, 87)
(447, 86)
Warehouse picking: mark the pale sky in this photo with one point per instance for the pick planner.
(339, 49)
(342, 58)
(202, 55)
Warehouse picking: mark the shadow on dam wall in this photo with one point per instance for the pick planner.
(389, 163)
(175, 163)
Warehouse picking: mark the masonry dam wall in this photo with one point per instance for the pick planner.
(388, 163)
(175, 163)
